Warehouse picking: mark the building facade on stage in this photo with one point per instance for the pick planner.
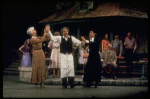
(104, 17)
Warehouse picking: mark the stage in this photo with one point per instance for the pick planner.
(121, 81)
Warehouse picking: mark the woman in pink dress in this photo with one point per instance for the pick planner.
(55, 56)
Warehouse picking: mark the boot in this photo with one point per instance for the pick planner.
(71, 81)
(64, 82)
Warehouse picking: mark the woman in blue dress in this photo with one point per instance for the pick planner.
(26, 50)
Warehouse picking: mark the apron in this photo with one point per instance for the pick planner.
(67, 65)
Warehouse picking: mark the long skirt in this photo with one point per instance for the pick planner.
(67, 65)
(39, 67)
(93, 69)
(26, 60)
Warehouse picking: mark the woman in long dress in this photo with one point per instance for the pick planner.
(55, 55)
(26, 50)
(39, 65)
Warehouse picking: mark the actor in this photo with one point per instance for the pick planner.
(66, 57)
(117, 45)
(93, 66)
(26, 58)
(39, 65)
(105, 43)
(130, 47)
(55, 55)
(109, 57)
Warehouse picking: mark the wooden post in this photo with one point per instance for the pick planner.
(78, 33)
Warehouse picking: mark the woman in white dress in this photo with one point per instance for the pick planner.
(55, 55)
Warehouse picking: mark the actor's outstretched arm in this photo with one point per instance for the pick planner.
(76, 41)
(39, 40)
(56, 38)
(83, 39)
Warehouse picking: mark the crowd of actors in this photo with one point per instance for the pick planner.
(62, 55)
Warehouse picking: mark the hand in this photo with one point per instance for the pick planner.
(45, 33)
(87, 47)
(114, 62)
(47, 29)
(120, 55)
(23, 53)
(82, 43)
(83, 39)
(133, 51)
(104, 61)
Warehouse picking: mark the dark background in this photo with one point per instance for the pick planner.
(18, 16)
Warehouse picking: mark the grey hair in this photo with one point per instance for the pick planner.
(63, 29)
(29, 30)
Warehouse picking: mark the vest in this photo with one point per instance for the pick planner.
(66, 46)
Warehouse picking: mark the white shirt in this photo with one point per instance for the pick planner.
(58, 39)
(91, 40)
(34, 37)
(66, 38)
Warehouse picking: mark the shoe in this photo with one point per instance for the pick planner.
(72, 86)
(64, 83)
(71, 82)
(36, 85)
(96, 84)
(64, 87)
(86, 85)
(114, 77)
(42, 85)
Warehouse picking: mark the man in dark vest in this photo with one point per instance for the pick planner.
(66, 57)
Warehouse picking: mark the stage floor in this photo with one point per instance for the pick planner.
(121, 81)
